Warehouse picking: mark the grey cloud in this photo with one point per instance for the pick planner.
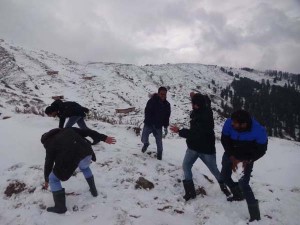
(234, 33)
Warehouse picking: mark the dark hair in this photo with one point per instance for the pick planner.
(241, 116)
(50, 109)
(199, 100)
(49, 134)
(162, 89)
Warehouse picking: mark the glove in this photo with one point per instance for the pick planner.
(165, 132)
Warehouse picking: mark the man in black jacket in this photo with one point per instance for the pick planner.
(157, 115)
(63, 110)
(67, 149)
(200, 139)
(244, 141)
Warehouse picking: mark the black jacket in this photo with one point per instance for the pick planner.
(65, 148)
(68, 109)
(157, 112)
(201, 136)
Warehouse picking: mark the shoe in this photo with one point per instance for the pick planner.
(59, 198)
(92, 186)
(254, 211)
(190, 192)
(237, 194)
(224, 189)
(144, 148)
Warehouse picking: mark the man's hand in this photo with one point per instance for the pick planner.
(246, 163)
(110, 140)
(166, 132)
(174, 128)
(46, 185)
(235, 163)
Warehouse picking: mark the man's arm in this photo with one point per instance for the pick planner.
(96, 136)
(184, 132)
(261, 143)
(168, 114)
(49, 162)
(149, 109)
(61, 122)
(226, 139)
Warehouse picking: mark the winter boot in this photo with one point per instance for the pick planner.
(254, 211)
(92, 185)
(144, 148)
(190, 192)
(59, 201)
(237, 194)
(159, 156)
(224, 189)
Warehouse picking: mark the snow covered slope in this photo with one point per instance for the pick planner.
(103, 87)
(275, 182)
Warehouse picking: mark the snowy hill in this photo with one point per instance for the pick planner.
(275, 182)
(26, 89)
(104, 87)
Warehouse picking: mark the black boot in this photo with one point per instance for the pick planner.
(92, 185)
(144, 148)
(237, 194)
(224, 189)
(59, 201)
(190, 192)
(254, 211)
(159, 156)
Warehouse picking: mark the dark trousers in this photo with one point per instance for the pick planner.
(226, 173)
(76, 119)
(157, 133)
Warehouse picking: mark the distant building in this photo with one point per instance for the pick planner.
(128, 110)
(60, 97)
(52, 72)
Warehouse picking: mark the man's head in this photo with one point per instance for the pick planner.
(162, 93)
(49, 134)
(241, 120)
(198, 101)
(51, 111)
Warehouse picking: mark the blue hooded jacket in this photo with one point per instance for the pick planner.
(250, 144)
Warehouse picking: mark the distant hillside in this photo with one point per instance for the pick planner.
(103, 87)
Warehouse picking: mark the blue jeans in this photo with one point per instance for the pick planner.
(157, 133)
(226, 173)
(76, 119)
(209, 160)
(84, 166)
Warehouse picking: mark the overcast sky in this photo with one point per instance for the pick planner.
(263, 34)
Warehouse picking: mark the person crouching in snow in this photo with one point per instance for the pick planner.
(200, 139)
(244, 141)
(67, 149)
(72, 110)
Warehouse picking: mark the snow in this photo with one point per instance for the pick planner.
(275, 178)
(275, 182)
(112, 85)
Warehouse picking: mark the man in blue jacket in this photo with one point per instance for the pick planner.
(244, 141)
(157, 114)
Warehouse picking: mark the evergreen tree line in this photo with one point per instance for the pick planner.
(293, 79)
(276, 107)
